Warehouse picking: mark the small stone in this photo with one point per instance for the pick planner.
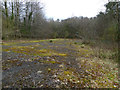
(48, 57)
(62, 83)
(115, 86)
(38, 72)
(54, 76)
(53, 59)
(71, 80)
(61, 66)
(41, 85)
(68, 75)
(8, 51)
(58, 80)
(57, 86)
(49, 69)
(82, 46)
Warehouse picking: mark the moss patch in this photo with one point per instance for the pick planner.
(99, 74)
(68, 76)
(84, 52)
(29, 50)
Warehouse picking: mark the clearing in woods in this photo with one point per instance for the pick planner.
(55, 63)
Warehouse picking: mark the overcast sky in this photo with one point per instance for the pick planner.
(62, 9)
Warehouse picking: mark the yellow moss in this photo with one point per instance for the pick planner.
(69, 76)
(43, 51)
(84, 52)
(30, 50)
(67, 72)
(35, 41)
(60, 54)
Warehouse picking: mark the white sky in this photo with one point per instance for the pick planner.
(62, 9)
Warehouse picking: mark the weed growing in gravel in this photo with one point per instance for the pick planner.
(84, 52)
(68, 76)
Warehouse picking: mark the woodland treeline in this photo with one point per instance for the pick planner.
(27, 20)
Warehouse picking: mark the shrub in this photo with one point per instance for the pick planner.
(86, 42)
(51, 41)
(75, 42)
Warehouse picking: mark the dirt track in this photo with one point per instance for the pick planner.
(24, 70)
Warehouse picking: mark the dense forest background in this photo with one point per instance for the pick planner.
(27, 20)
